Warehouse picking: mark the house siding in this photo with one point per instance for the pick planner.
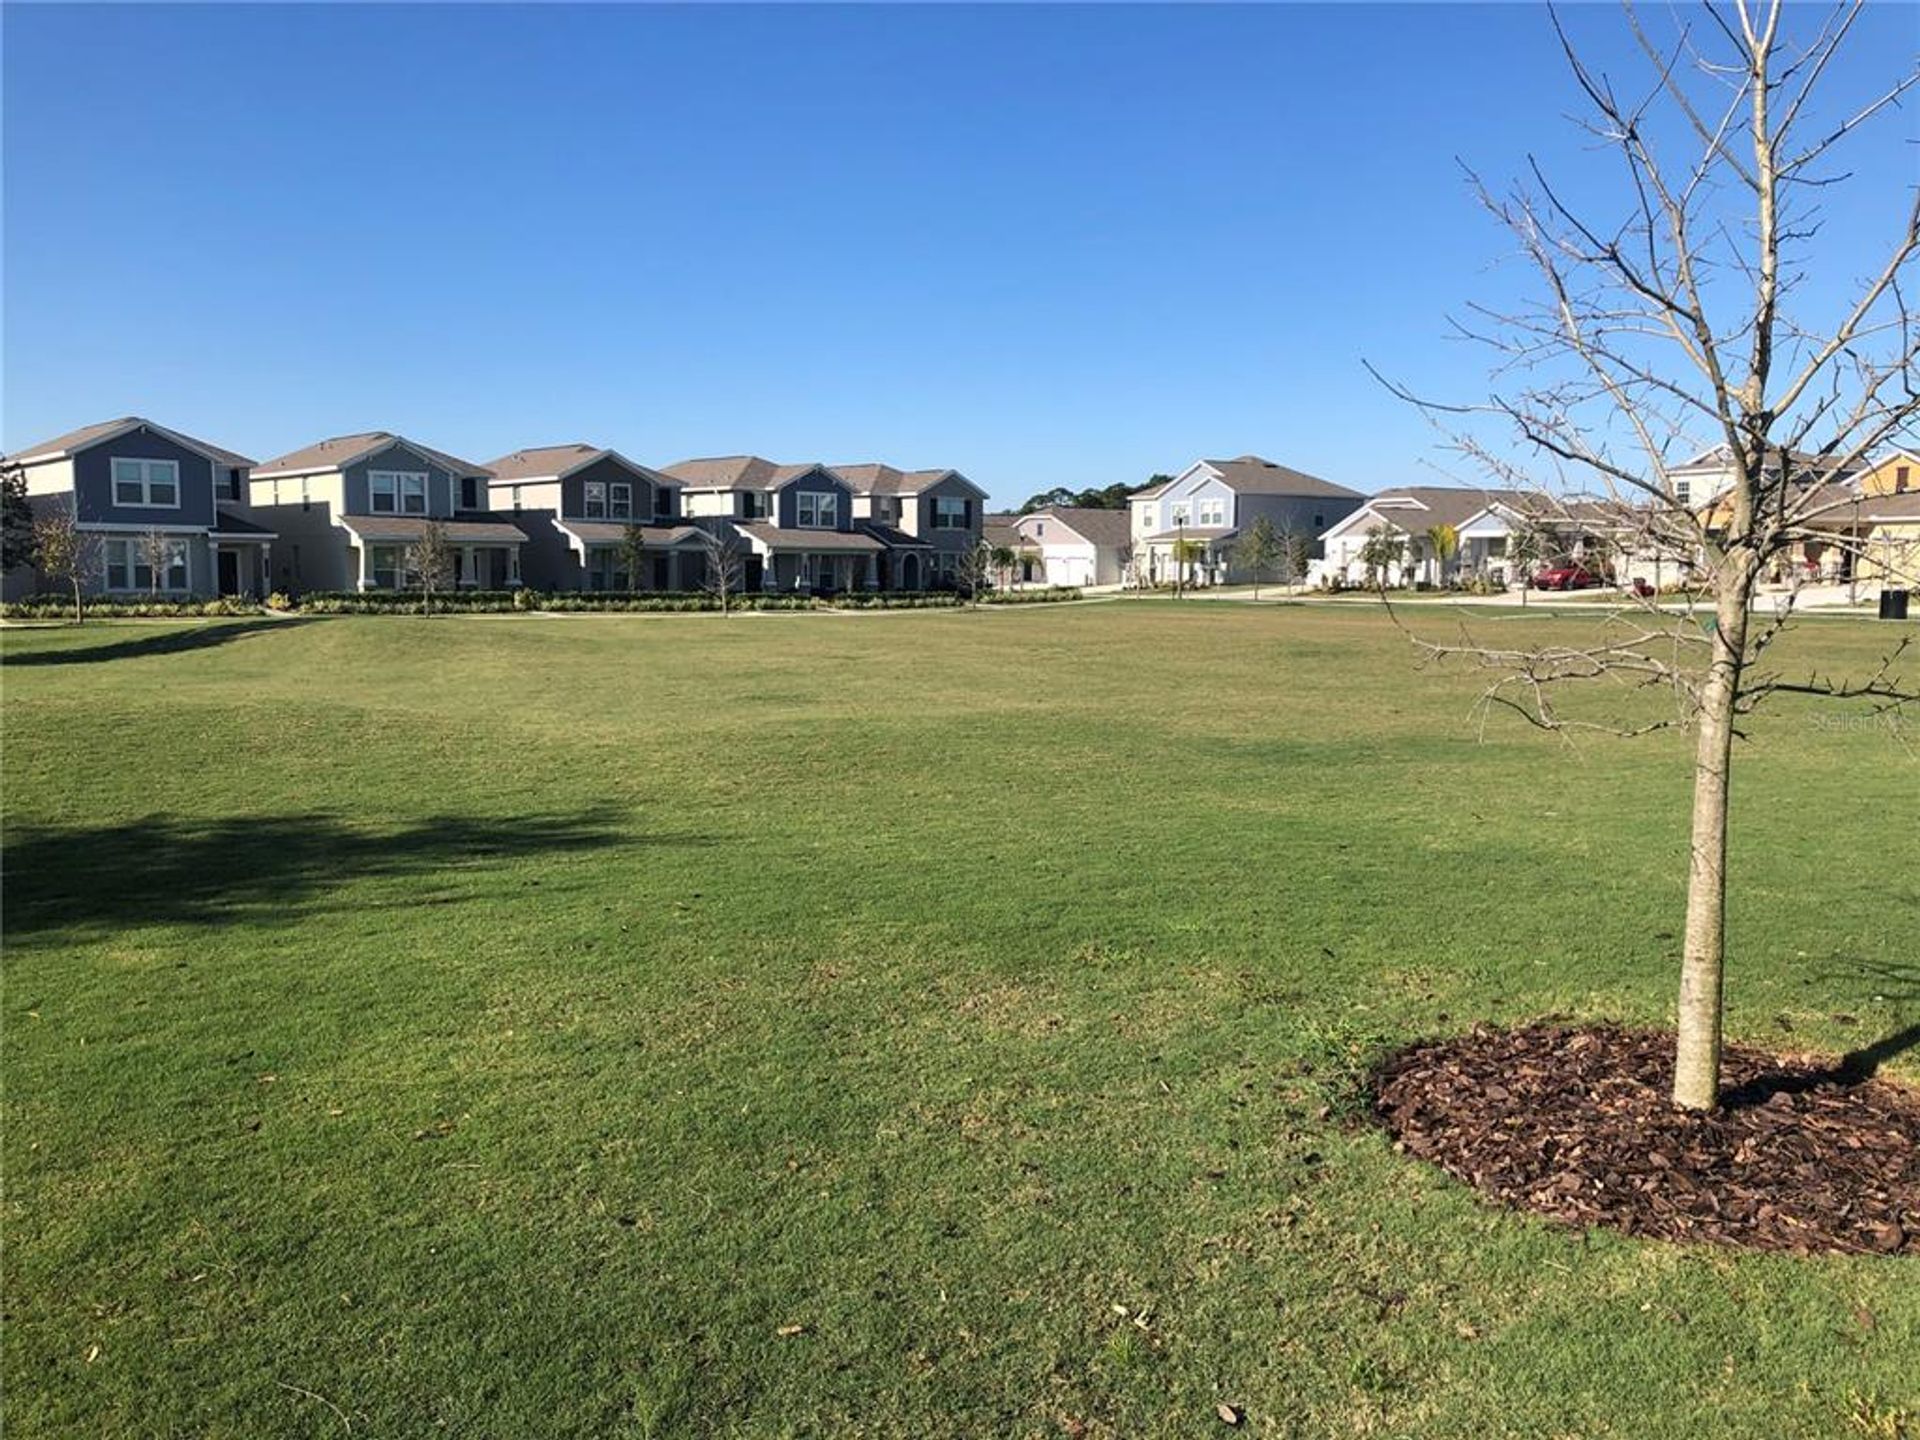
(93, 483)
(440, 490)
(917, 516)
(312, 551)
(574, 488)
(786, 506)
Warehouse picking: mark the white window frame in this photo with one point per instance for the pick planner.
(400, 486)
(949, 512)
(150, 473)
(619, 500)
(1213, 510)
(402, 576)
(824, 506)
(1179, 513)
(593, 499)
(131, 562)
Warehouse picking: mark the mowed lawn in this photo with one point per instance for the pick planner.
(916, 1024)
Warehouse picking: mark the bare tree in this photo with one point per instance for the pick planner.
(1677, 326)
(156, 553)
(430, 558)
(66, 553)
(973, 570)
(726, 562)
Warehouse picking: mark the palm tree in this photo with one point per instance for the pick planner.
(1444, 541)
(1185, 553)
(1003, 562)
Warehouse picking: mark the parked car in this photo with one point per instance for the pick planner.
(1567, 577)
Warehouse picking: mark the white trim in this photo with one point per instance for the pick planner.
(833, 498)
(146, 502)
(400, 492)
(115, 526)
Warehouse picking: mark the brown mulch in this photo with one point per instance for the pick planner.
(1805, 1155)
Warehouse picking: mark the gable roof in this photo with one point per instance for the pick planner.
(876, 479)
(1096, 527)
(344, 450)
(1413, 508)
(1253, 475)
(87, 436)
(740, 472)
(556, 462)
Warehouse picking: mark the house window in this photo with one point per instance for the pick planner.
(596, 501)
(620, 501)
(754, 505)
(397, 492)
(516, 499)
(819, 510)
(1181, 514)
(236, 487)
(1213, 511)
(306, 500)
(129, 567)
(469, 492)
(949, 513)
(1900, 479)
(606, 569)
(1682, 490)
(388, 564)
(152, 483)
(663, 502)
(1319, 522)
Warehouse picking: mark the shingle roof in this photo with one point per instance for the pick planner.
(342, 450)
(1252, 475)
(877, 479)
(1443, 505)
(777, 537)
(1097, 527)
(86, 435)
(495, 528)
(614, 532)
(546, 462)
(737, 472)
(888, 536)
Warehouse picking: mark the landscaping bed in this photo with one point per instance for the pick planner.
(1803, 1154)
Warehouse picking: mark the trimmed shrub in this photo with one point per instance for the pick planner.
(106, 607)
(1051, 595)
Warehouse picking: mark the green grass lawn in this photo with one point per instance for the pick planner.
(516, 1026)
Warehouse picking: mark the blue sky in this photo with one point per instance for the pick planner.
(1047, 246)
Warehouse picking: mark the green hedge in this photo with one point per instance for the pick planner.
(1051, 595)
(401, 602)
(107, 607)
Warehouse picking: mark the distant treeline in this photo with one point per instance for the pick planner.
(1107, 497)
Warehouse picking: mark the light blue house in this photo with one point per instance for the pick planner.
(1214, 502)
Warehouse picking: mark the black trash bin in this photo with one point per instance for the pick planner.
(1893, 604)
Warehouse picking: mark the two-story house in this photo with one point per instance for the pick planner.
(578, 503)
(796, 522)
(348, 509)
(1212, 502)
(927, 519)
(143, 493)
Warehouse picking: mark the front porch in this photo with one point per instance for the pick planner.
(485, 555)
(1194, 557)
(797, 561)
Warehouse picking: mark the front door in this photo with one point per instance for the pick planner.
(660, 580)
(229, 572)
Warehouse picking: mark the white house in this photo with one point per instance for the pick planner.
(1076, 545)
(1213, 502)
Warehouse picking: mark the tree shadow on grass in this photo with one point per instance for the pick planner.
(1897, 981)
(167, 870)
(164, 642)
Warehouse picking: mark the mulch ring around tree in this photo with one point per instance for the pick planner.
(1804, 1155)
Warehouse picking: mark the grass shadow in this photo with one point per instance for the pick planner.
(166, 642)
(164, 870)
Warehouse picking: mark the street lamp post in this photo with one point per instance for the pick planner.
(1180, 557)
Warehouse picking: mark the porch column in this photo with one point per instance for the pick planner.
(364, 550)
(466, 566)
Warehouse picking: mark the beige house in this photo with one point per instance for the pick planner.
(348, 508)
(1076, 545)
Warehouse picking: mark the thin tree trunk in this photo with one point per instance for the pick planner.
(1696, 1071)
(79, 609)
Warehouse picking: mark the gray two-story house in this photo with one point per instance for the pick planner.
(348, 509)
(795, 522)
(578, 505)
(1211, 503)
(162, 512)
(927, 519)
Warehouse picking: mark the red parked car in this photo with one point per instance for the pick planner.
(1567, 577)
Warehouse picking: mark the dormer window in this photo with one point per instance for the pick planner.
(154, 484)
(620, 501)
(817, 509)
(1213, 511)
(397, 492)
